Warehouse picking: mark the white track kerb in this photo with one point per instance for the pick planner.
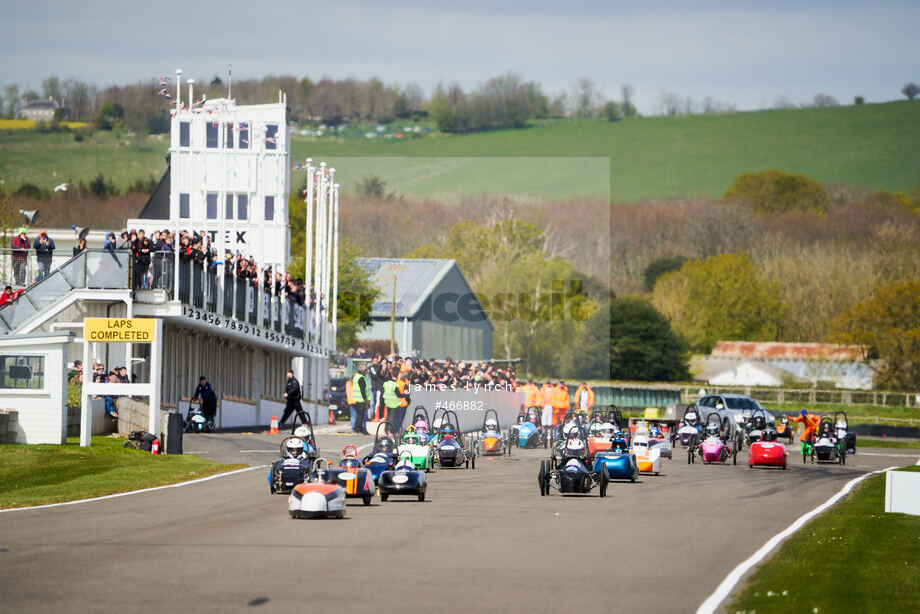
(723, 590)
(134, 492)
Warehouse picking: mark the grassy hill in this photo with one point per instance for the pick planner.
(871, 145)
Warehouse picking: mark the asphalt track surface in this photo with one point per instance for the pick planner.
(484, 541)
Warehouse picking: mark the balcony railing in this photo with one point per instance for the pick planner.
(198, 286)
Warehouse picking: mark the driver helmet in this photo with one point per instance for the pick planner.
(712, 429)
(411, 437)
(350, 462)
(491, 424)
(757, 422)
(656, 432)
(421, 427)
(448, 430)
(386, 445)
(769, 435)
(294, 448)
(405, 464)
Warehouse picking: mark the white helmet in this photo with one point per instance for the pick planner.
(294, 448)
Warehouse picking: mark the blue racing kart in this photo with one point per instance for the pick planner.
(619, 462)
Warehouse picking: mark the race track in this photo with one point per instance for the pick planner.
(484, 541)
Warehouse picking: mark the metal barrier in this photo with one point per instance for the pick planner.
(198, 286)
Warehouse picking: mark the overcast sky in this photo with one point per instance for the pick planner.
(742, 52)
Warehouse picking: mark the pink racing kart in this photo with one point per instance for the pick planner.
(715, 447)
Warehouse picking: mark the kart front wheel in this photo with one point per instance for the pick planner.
(366, 499)
(421, 496)
(384, 496)
(604, 481)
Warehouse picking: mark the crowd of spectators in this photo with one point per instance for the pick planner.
(118, 375)
(447, 372)
(153, 261)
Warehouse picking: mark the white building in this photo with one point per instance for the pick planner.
(229, 179)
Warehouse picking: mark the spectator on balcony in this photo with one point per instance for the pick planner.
(141, 252)
(9, 295)
(44, 251)
(125, 240)
(110, 243)
(79, 247)
(20, 245)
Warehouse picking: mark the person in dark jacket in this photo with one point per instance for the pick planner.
(20, 245)
(141, 252)
(208, 398)
(110, 243)
(44, 250)
(292, 397)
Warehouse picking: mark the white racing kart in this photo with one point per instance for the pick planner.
(317, 498)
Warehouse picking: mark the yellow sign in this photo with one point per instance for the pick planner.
(119, 330)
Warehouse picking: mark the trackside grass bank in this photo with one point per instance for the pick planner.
(41, 474)
(852, 558)
(863, 442)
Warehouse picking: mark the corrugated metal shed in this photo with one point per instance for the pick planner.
(416, 279)
(437, 312)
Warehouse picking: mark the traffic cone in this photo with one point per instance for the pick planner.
(273, 429)
(331, 416)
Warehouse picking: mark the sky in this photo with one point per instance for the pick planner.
(743, 53)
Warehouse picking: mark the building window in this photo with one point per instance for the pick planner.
(229, 214)
(23, 372)
(242, 206)
(228, 142)
(211, 134)
(243, 141)
(269, 208)
(184, 134)
(212, 206)
(271, 136)
(184, 207)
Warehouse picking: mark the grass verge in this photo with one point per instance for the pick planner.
(41, 474)
(856, 414)
(862, 442)
(839, 561)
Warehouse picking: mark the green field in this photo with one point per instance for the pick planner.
(871, 145)
(40, 474)
(852, 558)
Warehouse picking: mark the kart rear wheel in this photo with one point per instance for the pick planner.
(474, 462)
(366, 499)
(541, 478)
(421, 496)
(735, 456)
(384, 496)
(604, 482)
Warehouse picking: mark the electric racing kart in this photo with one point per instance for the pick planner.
(357, 481)
(403, 479)
(491, 440)
(828, 447)
(450, 449)
(567, 469)
(319, 497)
(690, 428)
(715, 447)
(764, 449)
(293, 467)
(196, 422)
(618, 461)
(383, 453)
(418, 450)
(529, 431)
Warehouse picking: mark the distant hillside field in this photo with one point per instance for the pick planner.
(658, 157)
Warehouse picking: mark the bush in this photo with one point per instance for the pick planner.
(774, 191)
